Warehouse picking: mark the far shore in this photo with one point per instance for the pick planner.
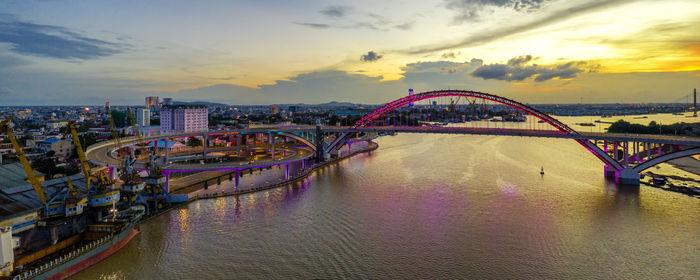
(689, 164)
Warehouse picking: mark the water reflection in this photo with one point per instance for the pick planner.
(427, 206)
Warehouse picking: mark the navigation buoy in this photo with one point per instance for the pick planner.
(542, 170)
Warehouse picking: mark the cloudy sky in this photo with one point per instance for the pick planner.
(263, 52)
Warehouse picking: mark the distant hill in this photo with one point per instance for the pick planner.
(208, 104)
(337, 104)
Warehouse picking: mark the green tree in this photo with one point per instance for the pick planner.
(120, 118)
(194, 142)
(46, 164)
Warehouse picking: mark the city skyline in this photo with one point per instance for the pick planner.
(248, 52)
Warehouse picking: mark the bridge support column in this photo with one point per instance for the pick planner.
(647, 147)
(238, 146)
(609, 171)
(286, 171)
(238, 175)
(167, 148)
(320, 154)
(627, 176)
(272, 145)
(204, 144)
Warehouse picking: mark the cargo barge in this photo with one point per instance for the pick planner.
(99, 242)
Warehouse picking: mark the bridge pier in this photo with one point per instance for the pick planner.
(286, 171)
(238, 145)
(167, 148)
(272, 145)
(237, 176)
(609, 172)
(204, 143)
(627, 176)
(320, 154)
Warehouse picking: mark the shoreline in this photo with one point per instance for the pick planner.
(301, 176)
(305, 174)
(688, 164)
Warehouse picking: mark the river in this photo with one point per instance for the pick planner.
(428, 206)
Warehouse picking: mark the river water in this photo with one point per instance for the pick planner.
(429, 206)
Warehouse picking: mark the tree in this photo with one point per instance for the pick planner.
(333, 120)
(46, 164)
(119, 117)
(194, 142)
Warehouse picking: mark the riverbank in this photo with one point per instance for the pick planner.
(260, 181)
(271, 179)
(688, 164)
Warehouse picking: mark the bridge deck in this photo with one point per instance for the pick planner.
(100, 152)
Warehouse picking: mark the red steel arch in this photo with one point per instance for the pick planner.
(391, 106)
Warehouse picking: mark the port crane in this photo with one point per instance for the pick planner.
(101, 194)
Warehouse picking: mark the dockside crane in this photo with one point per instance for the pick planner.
(81, 155)
(101, 194)
(4, 125)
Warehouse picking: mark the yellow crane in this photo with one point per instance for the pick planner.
(23, 159)
(81, 154)
(102, 196)
(87, 171)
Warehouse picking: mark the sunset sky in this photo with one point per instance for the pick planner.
(264, 52)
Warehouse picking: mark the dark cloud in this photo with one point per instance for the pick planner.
(472, 9)
(518, 60)
(517, 70)
(450, 55)
(336, 11)
(371, 56)
(314, 25)
(345, 17)
(498, 33)
(404, 26)
(53, 41)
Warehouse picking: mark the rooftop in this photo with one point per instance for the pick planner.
(50, 140)
(13, 175)
(185, 106)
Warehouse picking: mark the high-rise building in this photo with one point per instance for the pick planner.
(184, 118)
(151, 102)
(143, 117)
(274, 110)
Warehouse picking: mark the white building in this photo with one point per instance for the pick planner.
(143, 117)
(184, 118)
